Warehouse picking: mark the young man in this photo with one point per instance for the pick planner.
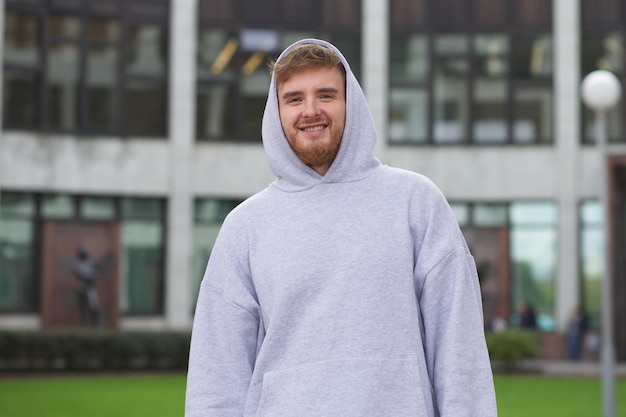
(343, 289)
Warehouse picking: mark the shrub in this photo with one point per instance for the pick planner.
(511, 346)
(89, 349)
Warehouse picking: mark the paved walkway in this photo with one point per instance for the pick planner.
(568, 368)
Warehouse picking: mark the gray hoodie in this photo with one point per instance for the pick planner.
(351, 294)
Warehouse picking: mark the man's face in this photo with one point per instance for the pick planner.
(312, 107)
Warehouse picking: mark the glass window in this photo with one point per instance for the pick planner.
(407, 12)
(141, 283)
(147, 54)
(532, 56)
(489, 123)
(209, 215)
(254, 87)
(63, 86)
(409, 58)
(408, 115)
(490, 215)
(482, 75)
(533, 245)
(97, 208)
(491, 12)
(142, 279)
(20, 94)
(451, 110)
(532, 109)
(57, 206)
(214, 110)
(216, 48)
(66, 27)
(17, 275)
(17, 266)
(142, 208)
(21, 72)
(21, 43)
(17, 205)
(234, 50)
(537, 213)
(592, 259)
(343, 14)
(147, 113)
(101, 75)
(102, 63)
(102, 99)
(216, 10)
(461, 212)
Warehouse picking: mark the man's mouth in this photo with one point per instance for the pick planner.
(315, 128)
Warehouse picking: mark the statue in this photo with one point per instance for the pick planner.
(87, 271)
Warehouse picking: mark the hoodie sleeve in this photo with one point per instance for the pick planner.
(451, 309)
(225, 332)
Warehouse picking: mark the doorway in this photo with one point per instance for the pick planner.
(79, 279)
(617, 203)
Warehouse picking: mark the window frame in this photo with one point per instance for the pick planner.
(511, 26)
(126, 13)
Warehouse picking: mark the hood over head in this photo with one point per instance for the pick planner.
(355, 159)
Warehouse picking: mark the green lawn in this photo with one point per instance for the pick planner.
(532, 396)
(163, 395)
(103, 396)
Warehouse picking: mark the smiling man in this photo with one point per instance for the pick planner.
(343, 289)
(312, 108)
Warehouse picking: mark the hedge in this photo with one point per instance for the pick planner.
(93, 349)
(511, 346)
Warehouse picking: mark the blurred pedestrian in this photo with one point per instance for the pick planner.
(576, 327)
(527, 316)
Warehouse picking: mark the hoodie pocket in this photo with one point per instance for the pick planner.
(354, 387)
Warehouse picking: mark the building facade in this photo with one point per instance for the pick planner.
(133, 127)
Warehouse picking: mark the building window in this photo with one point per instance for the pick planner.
(602, 47)
(209, 214)
(89, 67)
(142, 278)
(531, 231)
(236, 41)
(591, 259)
(458, 79)
(18, 283)
(533, 242)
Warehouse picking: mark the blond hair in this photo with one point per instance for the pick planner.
(302, 57)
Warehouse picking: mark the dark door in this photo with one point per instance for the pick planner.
(490, 247)
(79, 285)
(617, 201)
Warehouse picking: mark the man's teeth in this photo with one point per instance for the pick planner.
(313, 129)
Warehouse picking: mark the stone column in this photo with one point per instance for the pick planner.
(181, 122)
(566, 30)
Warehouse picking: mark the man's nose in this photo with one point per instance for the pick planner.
(310, 108)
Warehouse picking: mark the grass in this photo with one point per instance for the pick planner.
(100, 396)
(163, 395)
(533, 396)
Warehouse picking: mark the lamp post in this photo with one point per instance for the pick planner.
(600, 91)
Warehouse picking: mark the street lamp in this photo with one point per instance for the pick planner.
(600, 91)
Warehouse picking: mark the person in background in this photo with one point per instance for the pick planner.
(346, 287)
(576, 327)
(527, 316)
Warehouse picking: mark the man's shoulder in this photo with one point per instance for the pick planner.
(412, 179)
